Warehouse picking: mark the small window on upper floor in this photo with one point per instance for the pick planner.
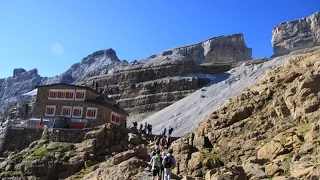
(50, 110)
(80, 95)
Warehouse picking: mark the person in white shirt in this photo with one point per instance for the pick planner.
(168, 162)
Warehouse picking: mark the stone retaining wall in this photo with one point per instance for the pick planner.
(67, 135)
(20, 138)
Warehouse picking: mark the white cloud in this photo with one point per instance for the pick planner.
(56, 48)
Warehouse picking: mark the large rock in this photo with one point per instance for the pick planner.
(270, 150)
(119, 158)
(133, 139)
(297, 34)
(254, 171)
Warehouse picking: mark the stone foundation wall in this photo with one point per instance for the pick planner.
(20, 138)
(67, 135)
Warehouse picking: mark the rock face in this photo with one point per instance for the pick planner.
(271, 128)
(97, 63)
(13, 88)
(297, 34)
(18, 71)
(218, 49)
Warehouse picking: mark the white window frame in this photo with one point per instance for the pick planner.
(115, 114)
(91, 108)
(54, 110)
(76, 107)
(52, 90)
(80, 91)
(71, 111)
(70, 91)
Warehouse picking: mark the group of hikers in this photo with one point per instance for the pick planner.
(147, 127)
(162, 163)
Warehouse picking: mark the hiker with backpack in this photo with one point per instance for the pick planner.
(169, 162)
(163, 142)
(156, 164)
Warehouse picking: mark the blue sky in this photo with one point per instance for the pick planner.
(52, 35)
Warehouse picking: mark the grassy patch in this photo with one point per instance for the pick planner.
(12, 173)
(50, 150)
(82, 173)
(283, 140)
(303, 129)
(210, 159)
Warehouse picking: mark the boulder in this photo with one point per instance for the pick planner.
(195, 162)
(133, 138)
(271, 169)
(299, 170)
(119, 158)
(254, 170)
(270, 150)
(181, 146)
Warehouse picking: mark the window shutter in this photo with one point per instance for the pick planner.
(67, 94)
(59, 94)
(89, 113)
(51, 94)
(78, 95)
(74, 112)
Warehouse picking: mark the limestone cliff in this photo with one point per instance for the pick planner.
(229, 48)
(295, 35)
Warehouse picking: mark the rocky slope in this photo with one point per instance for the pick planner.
(109, 147)
(270, 130)
(297, 34)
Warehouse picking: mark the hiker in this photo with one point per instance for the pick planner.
(170, 131)
(141, 126)
(157, 146)
(163, 142)
(169, 162)
(145, 127)
(149, 129)
(41, 122)
(135, 124)
(164, 131)
(156, 163)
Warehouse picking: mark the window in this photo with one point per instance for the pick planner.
(50, 110)
(77, 112)
(66, 111)
(80, 95)
(91, 113)
(52, 94)
(115, 118)
(69, 94)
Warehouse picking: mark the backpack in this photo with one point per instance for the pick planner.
(167, 162)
